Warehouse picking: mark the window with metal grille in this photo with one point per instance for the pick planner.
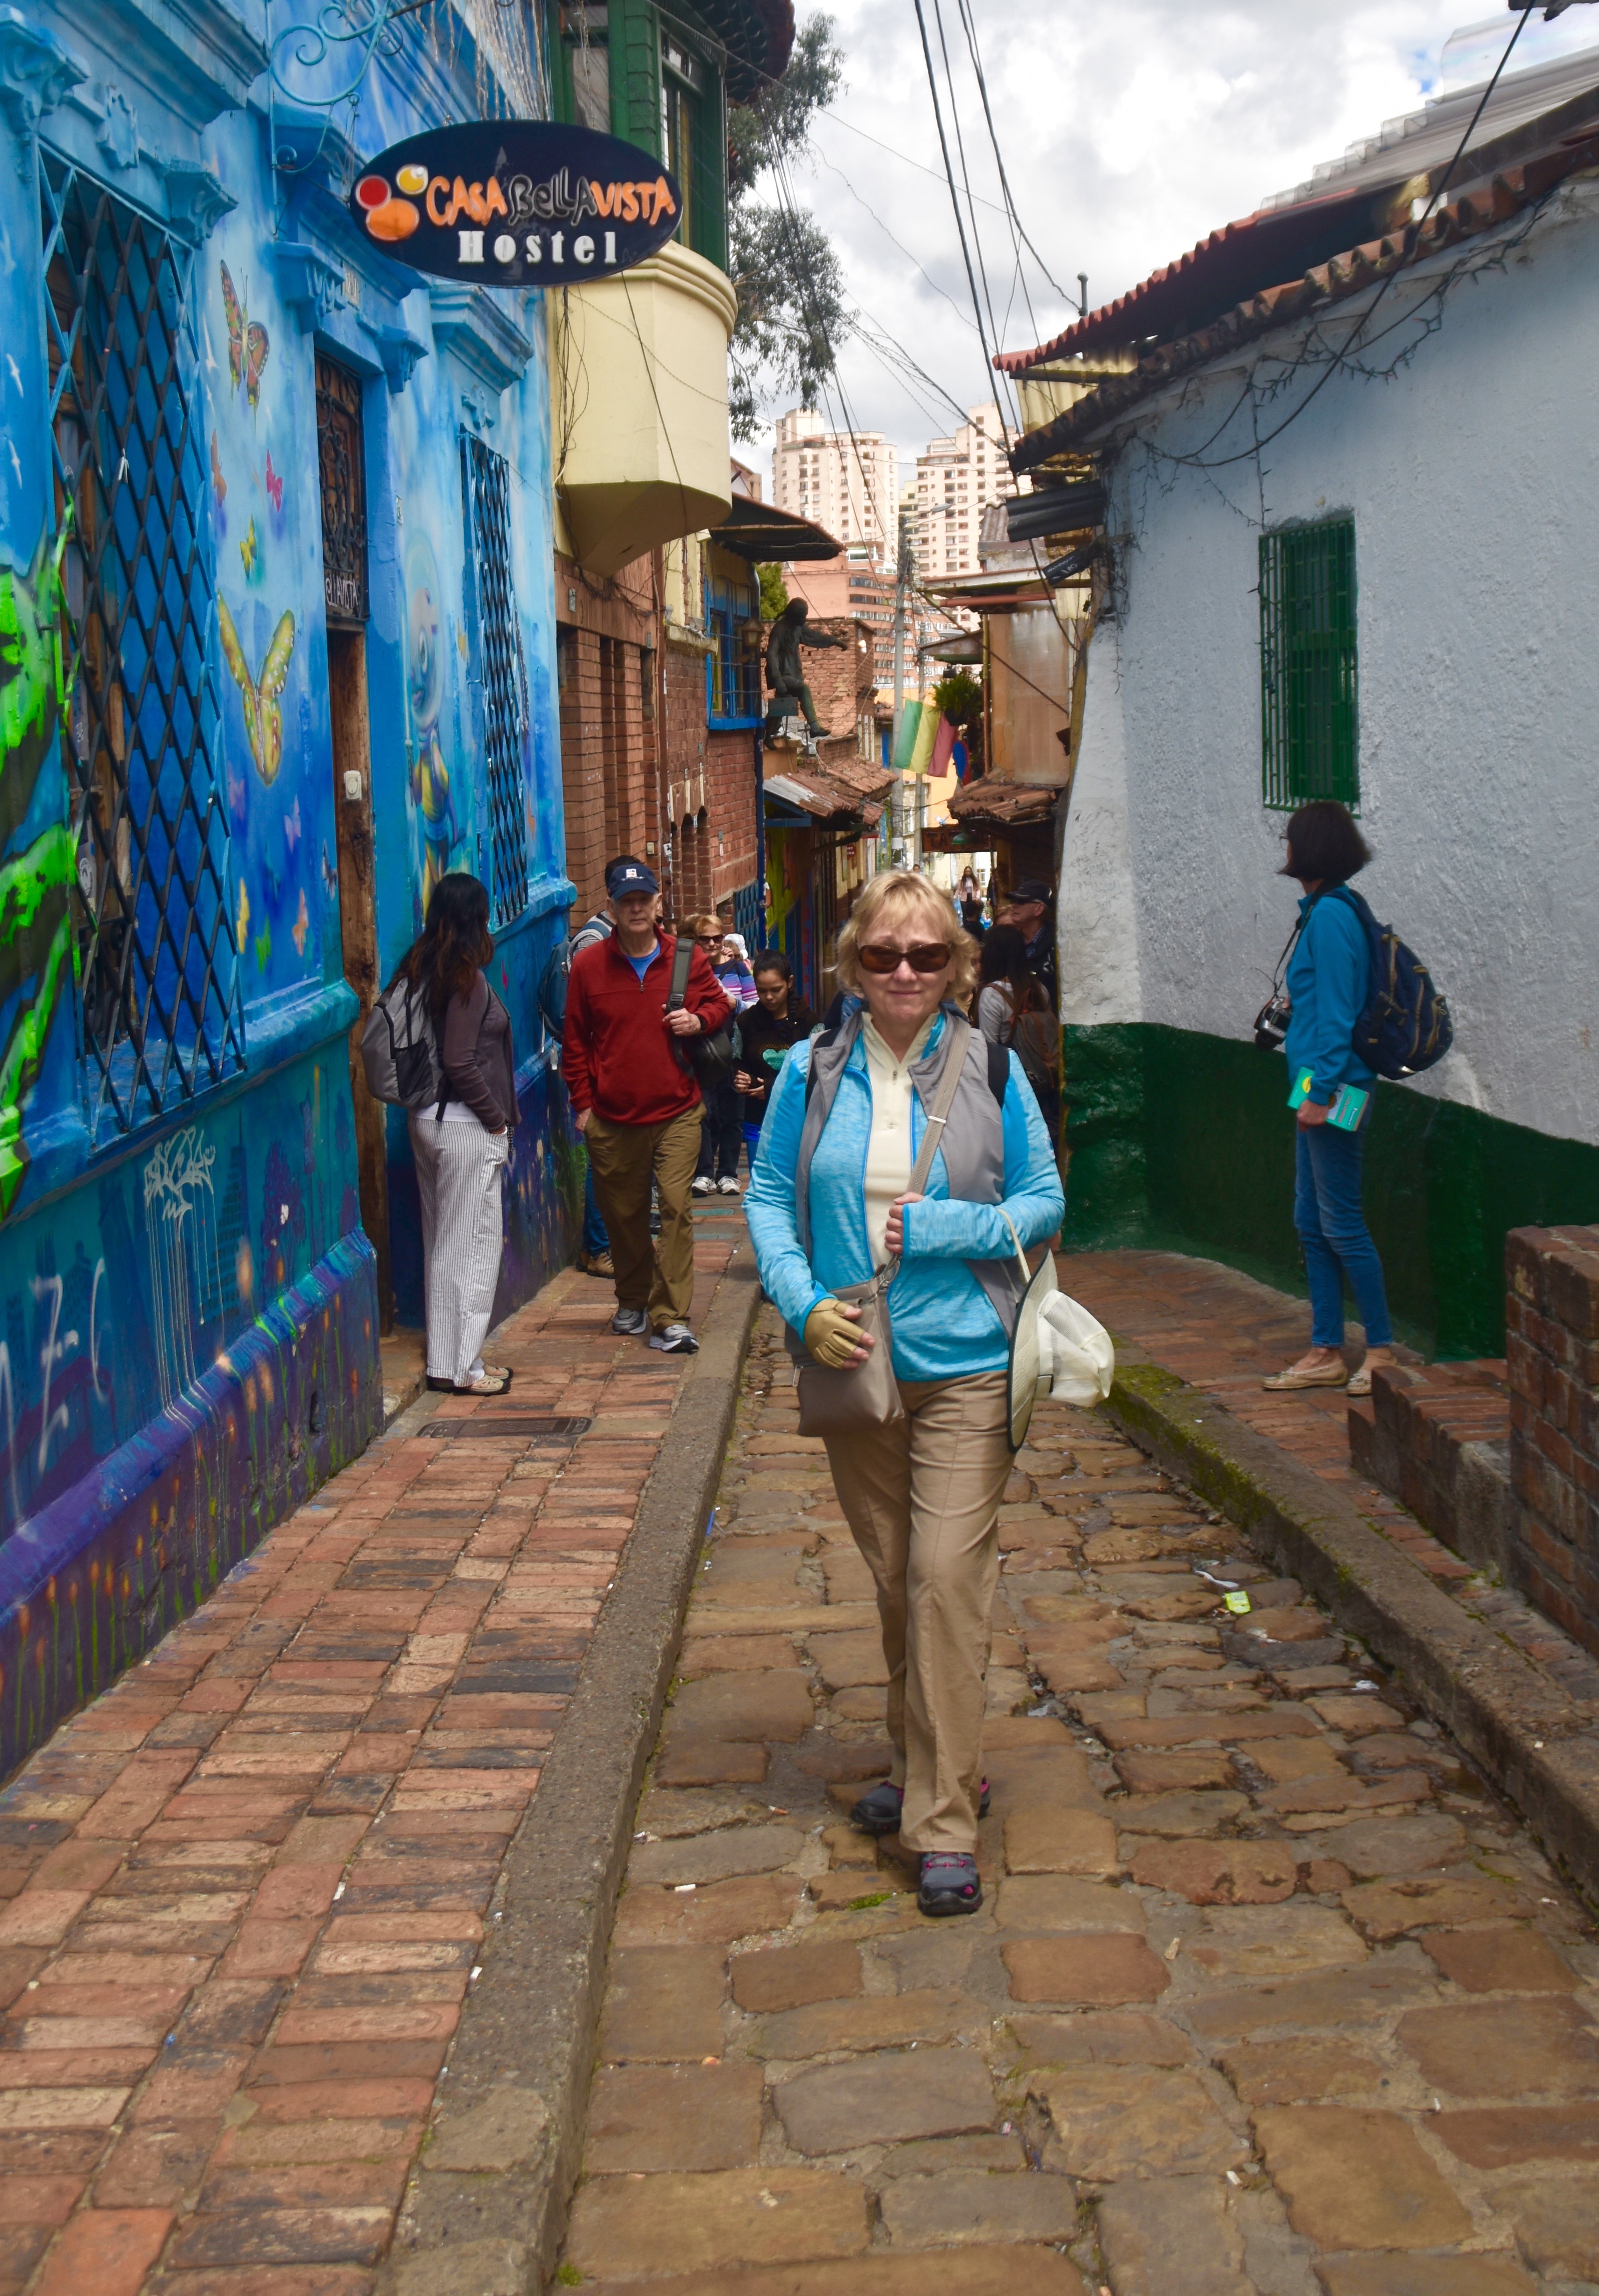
(157, 958)
(342, 453)
(732, 667)
(1309, 693)
(503, 674)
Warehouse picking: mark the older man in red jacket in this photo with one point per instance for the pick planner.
(638, 1104)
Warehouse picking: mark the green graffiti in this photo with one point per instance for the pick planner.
(35, 885)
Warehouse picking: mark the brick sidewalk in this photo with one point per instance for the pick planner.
(246, 1886)
(1222, 1332)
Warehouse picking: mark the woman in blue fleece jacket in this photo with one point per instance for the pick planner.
(827, 1204)
(1328, 982)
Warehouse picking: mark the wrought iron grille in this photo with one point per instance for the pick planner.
(1310, 691)
(341, 453)
(157, 958)
(486, 480)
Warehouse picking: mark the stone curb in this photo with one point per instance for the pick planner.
(1532, 1740)
(484, 2211)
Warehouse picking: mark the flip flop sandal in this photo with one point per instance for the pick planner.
(1289, 1381)
(948, 1884)
(878, 1812)
(499, 1371)
(491, 1383)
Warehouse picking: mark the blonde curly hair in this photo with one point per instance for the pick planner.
(891, 897)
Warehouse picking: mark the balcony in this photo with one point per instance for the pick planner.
(638, 388)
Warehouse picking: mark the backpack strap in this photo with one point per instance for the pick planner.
(825, 1040)
(999, 1071)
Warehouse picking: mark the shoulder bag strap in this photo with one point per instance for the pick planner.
(682, 956)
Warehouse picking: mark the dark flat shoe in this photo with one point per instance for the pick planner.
(878, 1812)
(948, 1884)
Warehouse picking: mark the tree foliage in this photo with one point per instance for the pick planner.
(773, 592)
(791, 291)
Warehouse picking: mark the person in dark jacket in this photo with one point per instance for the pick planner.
(768, 1030)
(1328, 979)
(461, 1147)
(1029, 909)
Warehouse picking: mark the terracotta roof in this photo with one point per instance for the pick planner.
(847, 783)
(1011, 803)
(1480, 208)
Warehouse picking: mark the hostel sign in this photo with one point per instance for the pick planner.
(517, 203)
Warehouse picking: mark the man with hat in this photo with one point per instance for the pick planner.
(1028, 909)
(636, 1102)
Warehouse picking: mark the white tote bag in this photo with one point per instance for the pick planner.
(1058, 1349)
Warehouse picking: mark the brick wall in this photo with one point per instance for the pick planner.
(1552, 1362)
(730, 810)
(842, 682)
(606, 661)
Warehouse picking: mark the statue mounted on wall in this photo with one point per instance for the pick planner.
(785, 672)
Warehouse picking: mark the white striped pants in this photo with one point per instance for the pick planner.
(458, 1168)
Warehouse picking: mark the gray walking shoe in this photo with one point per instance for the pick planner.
(676, 1340)
(948, 1884)
(630, 1323)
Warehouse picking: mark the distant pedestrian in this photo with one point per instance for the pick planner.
(595, 1258)
(460, 1148)
(769, 1032)
(726, 912)
(828, 1203)
(637, 1104)
(1029, 910)
(1328, 981)
(721, 1126)
(1014, 1010)
(968, 902)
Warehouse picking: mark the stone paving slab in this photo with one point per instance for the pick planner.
(246, 1895)
(1186, 2048)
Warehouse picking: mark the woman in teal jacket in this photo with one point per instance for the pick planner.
(1328, 981)
(828, 1203)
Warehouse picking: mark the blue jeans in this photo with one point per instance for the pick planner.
(595, 1238)
(1332, 1229)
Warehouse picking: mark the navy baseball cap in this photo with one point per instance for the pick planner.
(631, 877)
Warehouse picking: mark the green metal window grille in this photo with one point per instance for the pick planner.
(155, 950)
(501, 670)
(1310, 691)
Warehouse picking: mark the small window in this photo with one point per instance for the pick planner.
(1310, 695)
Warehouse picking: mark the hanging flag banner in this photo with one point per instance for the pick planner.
(943, 750)
(927, 733)
(905, 740)
(517, 203)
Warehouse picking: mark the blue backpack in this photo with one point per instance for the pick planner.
(1405, 1026)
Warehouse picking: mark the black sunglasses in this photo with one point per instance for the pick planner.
(927, 956)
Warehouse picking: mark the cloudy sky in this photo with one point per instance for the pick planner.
(1128, 129)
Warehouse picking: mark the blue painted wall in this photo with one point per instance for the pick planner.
(188, 1309)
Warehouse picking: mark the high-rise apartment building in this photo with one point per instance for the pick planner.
(955, 479)
(848, 485)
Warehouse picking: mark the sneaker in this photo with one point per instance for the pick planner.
(726, 1185)
(703, 1185)
(948, 1884)
(878, 1811)
(677, 1340)
(630, 1323)
(595, 1263)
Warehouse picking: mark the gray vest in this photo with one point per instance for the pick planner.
(973, 1146)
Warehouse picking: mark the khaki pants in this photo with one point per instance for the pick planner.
(922, 1497)
(623, 1158)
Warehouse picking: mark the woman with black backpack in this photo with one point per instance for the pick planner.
(1331, 1089)
(462, 1144)
(1013, 1009)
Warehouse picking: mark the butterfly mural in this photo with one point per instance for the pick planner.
(249, 549)
(330, 876)
(291, 827)
(275, 485)
(302, 926)
(248, 343)
(261, 696)
(218, 483)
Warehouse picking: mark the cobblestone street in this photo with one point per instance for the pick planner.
(1267, 1992)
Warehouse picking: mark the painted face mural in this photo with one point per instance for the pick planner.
(36, 934)
(442, 828)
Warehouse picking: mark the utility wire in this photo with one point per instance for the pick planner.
(1005, 181)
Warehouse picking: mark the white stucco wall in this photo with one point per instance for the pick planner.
(1096, 911)
(1473, 480)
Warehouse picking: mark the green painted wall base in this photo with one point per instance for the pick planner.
(1185, 1143)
